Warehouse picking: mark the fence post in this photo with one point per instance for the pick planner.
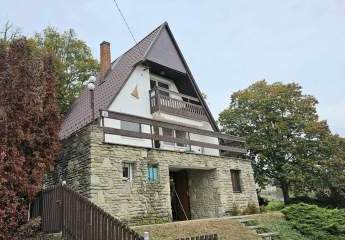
(146, 236)
(62, 195)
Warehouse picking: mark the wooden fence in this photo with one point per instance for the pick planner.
(203, 237)
(62, 209)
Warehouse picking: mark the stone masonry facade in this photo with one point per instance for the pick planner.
(94, 168)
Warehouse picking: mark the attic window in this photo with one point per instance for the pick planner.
(155, 83)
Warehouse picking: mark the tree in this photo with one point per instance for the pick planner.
(282, 130)
(330, 181)
(9, 33)
(29, 126)
(74, 63)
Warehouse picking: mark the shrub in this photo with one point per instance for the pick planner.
(235, 211)
(274, 205)
(315, 222)
(263, 209)
(286, 232)
(252, 208)
(30, 229)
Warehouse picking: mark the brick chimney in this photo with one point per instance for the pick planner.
(105, 58)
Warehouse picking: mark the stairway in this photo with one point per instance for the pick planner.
(263, 232)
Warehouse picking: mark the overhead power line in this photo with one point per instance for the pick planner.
(124, 20)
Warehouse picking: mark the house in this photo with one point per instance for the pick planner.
(142, 144)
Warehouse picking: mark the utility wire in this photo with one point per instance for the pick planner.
(124, 20)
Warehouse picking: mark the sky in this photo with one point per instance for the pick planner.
(228, 44)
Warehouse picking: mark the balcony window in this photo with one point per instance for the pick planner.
(154, 83)
(130, 126)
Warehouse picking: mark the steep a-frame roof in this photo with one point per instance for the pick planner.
(159, 47)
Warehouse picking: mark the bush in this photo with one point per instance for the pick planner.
(286, 232)
(252, 208)
(274, 205)
(235, 211)
(321, 200)
(315, 222)
(30, 229)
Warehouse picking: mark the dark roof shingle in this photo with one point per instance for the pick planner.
(105, 91)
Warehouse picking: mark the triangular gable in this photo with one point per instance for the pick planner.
(164, 52)
(160, 47)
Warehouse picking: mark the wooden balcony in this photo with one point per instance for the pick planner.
(166, 101)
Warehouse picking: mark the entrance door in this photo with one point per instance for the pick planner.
(180, 195)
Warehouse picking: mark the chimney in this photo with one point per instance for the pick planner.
(105, 58)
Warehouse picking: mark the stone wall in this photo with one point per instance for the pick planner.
(73, 163)
(94, 169)
(141, 202)
(203, 193)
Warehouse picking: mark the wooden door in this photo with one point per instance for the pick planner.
(182, 192)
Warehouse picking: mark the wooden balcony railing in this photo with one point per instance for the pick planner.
(234, 144)
(166, 101)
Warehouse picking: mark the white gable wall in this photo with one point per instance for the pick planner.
(125, 102)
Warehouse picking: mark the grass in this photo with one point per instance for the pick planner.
(275, 222)
(226, 228)
(286, 232)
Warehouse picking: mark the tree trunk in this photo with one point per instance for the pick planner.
(285, 189)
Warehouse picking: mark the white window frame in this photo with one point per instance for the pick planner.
(130, 171)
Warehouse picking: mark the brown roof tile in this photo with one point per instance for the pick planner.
(81, 114)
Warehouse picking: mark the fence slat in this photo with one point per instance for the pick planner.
(202, 237)
(64, 210)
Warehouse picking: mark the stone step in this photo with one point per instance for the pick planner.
(254, 227)
(268, 236)
(245, 220)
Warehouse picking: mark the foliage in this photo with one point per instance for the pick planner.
(9, 33)
(283, 133)
(235, 211)
(251, 208)
(30, 229)
(74, 62)
(330, 186)
(274, 205)
(263, 201)
(315, 222)
(29, 125)
(286, 232)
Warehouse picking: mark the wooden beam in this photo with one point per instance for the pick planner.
(157, 123)
(127, 133)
